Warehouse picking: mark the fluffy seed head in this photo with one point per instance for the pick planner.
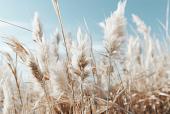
(114, 29)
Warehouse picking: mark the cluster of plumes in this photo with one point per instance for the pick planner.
(82, 55)
(114, 29)
(136, 81)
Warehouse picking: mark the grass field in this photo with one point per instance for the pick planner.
(131, 75)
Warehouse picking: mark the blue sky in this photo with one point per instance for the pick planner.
(73, 11)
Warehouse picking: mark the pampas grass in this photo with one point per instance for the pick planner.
(131, 75)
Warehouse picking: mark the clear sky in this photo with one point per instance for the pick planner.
(73, 11)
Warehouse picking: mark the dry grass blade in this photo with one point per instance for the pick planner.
(15, 25)
(35, 70)
(18, 47)
(13, 69)
(57, 10)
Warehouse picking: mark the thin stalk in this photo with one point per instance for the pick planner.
(16, 79)
(73, 96)
(58, 13)
(57, 10)
(167, 20)
(82, 92)
(94, 71)
(15, 111)
(81, 85)
(46, 95)
(109, 78)
(93, 62)
(15, 25)
(119, 76)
